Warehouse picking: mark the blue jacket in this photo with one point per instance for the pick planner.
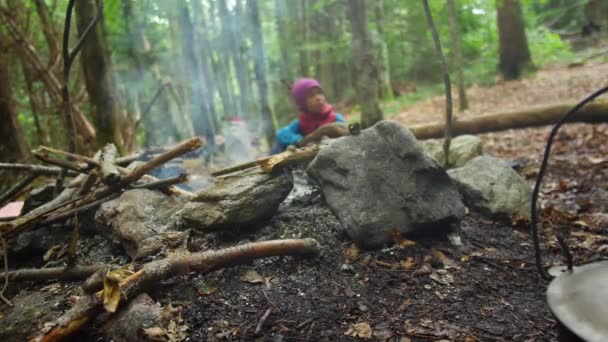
(291, 134)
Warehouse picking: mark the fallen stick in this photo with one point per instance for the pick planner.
(162, 183)
(530, 117)
(17, 189)
(107, 166)
(35, 169)
(46, 158)
(271, 163)
(258, 328)
(87, 307)
(59, 273)
(74, 156)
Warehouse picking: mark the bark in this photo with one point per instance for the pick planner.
(97, 67)
(513, 43)
(385, 90)
(12, 145)
(269, 121)
(107, 165)
(366, 69)
(152, 273)
(201, 115)
(455, 40)
(531, 117)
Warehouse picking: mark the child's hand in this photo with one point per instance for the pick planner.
(334, 130)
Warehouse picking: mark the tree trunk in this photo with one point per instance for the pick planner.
(12, 145)
(201, 116)
(366, 70)
(463, 103)
(230, 26)
(220, 62)
(99, 80)
(49, 31)
(530, 117)
(513, 44)
(385, 90)
(302, 37)
(269, 121)
(41, 138)
(204, 51)
(281, 16)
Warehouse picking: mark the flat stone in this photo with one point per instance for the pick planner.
(382, 180)
(488, 184)
(462, 149)
(237, 200)
(141, 219)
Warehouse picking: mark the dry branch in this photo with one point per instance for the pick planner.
(107, 165)
(65, 204)
(271, 163)
(34, 169)
(16, 190)
(531, 117)
(87, 307)
(59, 273)
(44, 157)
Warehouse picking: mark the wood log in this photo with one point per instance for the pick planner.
(87, 307)
(107, 165)
(531, 117)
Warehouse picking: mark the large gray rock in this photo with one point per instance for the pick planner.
(462, 149)
(490, 185)
(141, 220)
(381, 180)
(239, 199)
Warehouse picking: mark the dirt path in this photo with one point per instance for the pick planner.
(547, 86)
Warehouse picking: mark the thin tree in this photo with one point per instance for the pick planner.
(97, 66)
(383, 61)
(12, 145)
(463, 103)
(367, 71)
(203, 123)
(513, 43)
(446, 80)
(269, 121)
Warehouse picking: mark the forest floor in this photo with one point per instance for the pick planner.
(488, 289)
(554, 84)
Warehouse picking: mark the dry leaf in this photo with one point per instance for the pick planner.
(205, 289)
(407, 264)
(360, 330)
(399, 240)
(351, 253)
(442, 277)
(49, 254)
(155, 334)
(252, 277)
(111, 287)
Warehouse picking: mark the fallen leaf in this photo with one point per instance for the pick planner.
(205, 289)
(49, 254)
(111, 287)
(465, 258)
(155, 334)
(252, 277)
(360, 330)
(407, 264)
(351, 253)
(399, 240)
(442, 277)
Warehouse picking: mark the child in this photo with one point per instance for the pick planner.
(317, 118)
